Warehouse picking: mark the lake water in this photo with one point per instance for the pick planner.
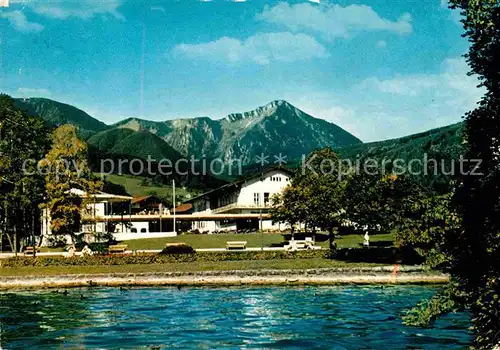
(342, 317)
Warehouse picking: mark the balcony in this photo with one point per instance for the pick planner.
(238, 206)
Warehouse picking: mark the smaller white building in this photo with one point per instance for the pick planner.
(111, 214)
(251, 195)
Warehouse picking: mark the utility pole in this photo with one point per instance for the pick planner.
(160, 209)
(261, 231)
(173, 203)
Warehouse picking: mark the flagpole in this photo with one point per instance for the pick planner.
(173, 197)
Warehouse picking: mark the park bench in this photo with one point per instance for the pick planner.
(30, 250)
(236, 245)
(119, 248)
(300, 244)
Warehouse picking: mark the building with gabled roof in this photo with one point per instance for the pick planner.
(249, 195)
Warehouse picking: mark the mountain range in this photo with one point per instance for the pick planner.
(278, 127)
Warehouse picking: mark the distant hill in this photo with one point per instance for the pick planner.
(123, 146)
(440, 142)
(444, 145)
(139, 144)
(57, 113)
(277, 127)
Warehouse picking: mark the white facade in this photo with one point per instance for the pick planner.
(250, 196)
(98, 211)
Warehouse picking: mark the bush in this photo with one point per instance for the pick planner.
(99, 248)
(103, 260)
(179, 249)
(185, 254)
(56, 241)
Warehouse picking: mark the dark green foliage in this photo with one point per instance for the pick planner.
(110, 187)
(56, 114)
(426, 223)
(23, 142)
(110, 148)
(428, 310)
(314, 196)
(445, 145)
(140, 144)
(377, 202)
(474, 250)
(178, 249)
(380, 255)
(118, 259)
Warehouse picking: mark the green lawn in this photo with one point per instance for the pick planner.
(184, 267)
(134, 185)
(253, 239)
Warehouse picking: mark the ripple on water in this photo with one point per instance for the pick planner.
(341, 317)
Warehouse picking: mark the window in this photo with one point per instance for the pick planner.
(143, 230)
(256, 198)
(266, 198)
(133, 230)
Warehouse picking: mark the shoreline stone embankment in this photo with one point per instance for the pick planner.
(394, 274)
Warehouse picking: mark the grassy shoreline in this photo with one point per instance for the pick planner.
(183, 267)
(253, 240)
(230, 273)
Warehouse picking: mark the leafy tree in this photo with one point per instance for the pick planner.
(23, 141)
(323, 178)
(315, 194)
(66, 168)
(289, 206)
(377, 201)
(474, 252)
(425, 224)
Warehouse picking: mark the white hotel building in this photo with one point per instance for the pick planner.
(251, 195)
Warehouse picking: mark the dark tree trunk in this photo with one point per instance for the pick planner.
(15, 239)
(331, 239)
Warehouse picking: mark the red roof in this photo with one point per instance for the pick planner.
(183, 207)
(139, 199)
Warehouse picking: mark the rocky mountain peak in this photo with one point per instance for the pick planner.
(262, 111)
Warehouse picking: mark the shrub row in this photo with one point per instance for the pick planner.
(118, 259)
(184, 254)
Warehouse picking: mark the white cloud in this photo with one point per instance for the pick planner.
(31, 92)
(378, 109)
(452, 79)
(331, 20)
(84, 9)
(420, 101)
(401, 85)
(343, 116)
(19, 21)
(260, 49)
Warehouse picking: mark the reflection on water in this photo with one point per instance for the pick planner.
(345, 317)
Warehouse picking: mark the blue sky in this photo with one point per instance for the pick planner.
(379, 69)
